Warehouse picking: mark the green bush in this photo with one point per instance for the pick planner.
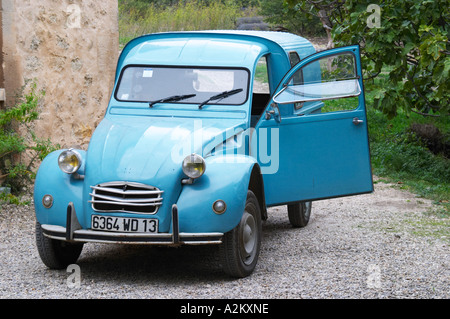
(411, 45)
(280, 14)
(20, 148)
(402, 157)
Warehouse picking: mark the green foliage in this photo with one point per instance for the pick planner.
(412, 44)
(329, 11)
(19, 145)
(138, 17)
(397, 155)
(280, 14)
(261, 73)
(143, 4)
(401, 157)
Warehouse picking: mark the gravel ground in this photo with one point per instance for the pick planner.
(379, 245)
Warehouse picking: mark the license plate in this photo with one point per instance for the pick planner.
(124, 224)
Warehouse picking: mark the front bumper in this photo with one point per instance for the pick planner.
(74, 233)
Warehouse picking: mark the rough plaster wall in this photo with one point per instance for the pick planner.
(71, 48)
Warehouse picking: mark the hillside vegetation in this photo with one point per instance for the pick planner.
(138, 17)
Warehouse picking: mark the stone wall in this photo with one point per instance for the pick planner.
(70, 48)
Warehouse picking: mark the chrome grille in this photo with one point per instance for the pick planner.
(126, 197)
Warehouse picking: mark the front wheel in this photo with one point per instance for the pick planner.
(239, 251)
(56, 254)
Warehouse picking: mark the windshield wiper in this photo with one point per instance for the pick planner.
(220, 96)
(172, 98)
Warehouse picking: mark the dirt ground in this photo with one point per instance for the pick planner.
(386, 245)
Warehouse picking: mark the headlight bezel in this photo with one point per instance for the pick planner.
(64, 166)
(193, 166)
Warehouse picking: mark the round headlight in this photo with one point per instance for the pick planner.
(69, 161)
(194, 166)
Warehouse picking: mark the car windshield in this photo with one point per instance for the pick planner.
(154, 83)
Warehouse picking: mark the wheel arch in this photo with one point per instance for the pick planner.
(256, 185)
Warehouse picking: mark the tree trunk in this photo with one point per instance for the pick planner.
(328, 26)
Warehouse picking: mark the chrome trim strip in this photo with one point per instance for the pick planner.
(121, 192)
(86, 235)
(122, 203)
(124, 200)
(125, 197)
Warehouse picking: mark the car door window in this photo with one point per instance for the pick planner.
(261, 79)
(294, 59)
(331, 79)
(261, 90)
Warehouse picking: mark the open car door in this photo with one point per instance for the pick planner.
(316, 125)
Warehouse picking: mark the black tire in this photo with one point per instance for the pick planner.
(299, 213)
(56, 254)
(240, 248)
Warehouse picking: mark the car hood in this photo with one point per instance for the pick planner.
(142, 149)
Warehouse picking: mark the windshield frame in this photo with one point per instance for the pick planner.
(204, 67)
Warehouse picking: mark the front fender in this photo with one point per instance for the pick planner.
(226, 178)
(50, 180)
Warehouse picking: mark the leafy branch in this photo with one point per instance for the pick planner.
(20, 147)
(411, 45)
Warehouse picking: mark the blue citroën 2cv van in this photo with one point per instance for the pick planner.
(203, 133)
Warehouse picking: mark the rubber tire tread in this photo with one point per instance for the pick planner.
(56, 254)
(229, 249)
(297, 216)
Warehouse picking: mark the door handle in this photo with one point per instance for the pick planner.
(357, 121)
(269, 114)
(274, 112)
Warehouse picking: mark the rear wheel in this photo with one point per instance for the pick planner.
(239, 251)
(56, 254)
(299, 213)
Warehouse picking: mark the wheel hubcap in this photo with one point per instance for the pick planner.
(248, 237)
